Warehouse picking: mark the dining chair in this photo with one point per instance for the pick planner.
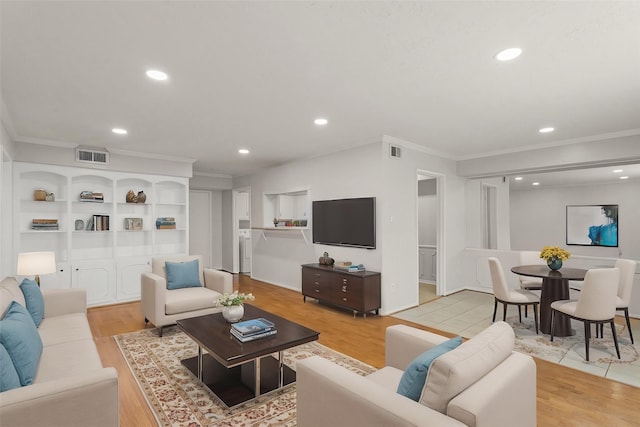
(530, 258)
(595, 305)
(506, 296)
(627, 269)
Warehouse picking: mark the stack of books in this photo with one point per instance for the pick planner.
(348, 267)
(253, 329)
(44, 224)
(166, 223)
(90, 196)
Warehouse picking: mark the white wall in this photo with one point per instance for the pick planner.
(277, 255)
(538, 217)
(226, 221)
(6, 208)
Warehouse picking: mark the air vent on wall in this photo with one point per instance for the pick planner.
(395, 151)
(92, 155)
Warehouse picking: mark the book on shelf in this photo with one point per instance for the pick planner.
(44, 224)
(166, 227)
(253, 337)
(89, 196)
(253, 326)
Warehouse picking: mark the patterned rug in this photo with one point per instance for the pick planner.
(176, 397)
(570, 351)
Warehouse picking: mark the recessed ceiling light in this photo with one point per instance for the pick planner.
(508, 54)
(617, 171)
(535, 183)
(119, 131)
(546, 130)
(624, 177)
(243, 151)
(518, 178)
(321, 122)
(157, 75)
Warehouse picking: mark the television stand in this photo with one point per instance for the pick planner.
(358, 291)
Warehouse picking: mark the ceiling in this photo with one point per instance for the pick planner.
(255, 75)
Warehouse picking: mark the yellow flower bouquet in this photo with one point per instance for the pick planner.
(554, 256)
(549, 252)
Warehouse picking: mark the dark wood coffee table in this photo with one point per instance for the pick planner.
(239, 372)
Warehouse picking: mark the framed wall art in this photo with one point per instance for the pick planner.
(592, 225)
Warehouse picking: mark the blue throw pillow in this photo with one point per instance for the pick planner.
(34, 300)
(183, 274)
(412, 381)
(18, 334)
(8, 376)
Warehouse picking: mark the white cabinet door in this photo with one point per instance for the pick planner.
(60, 279)
(285, 207)
(242, 205)
(129, 271)
(97, 278)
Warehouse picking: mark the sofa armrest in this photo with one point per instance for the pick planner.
(152, 296)
(404, 343)
(89, 399)
(504, 397)
(58, 302)
(328, 394)
(217, 280)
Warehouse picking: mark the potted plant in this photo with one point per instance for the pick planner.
(232, 308)
(554, 255)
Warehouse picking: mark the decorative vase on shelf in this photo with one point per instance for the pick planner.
(233, 313)
(141, 198)
(131, 197)
(554, 263)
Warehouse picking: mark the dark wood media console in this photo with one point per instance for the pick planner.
(359, 292)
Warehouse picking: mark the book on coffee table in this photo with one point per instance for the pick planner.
(247, 338)
(253, 327)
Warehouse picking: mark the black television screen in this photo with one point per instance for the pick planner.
(345, 222)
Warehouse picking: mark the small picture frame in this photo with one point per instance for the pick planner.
(133, 224)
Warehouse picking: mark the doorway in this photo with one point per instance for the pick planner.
(429, 226)
(489, 216)
(242, 230)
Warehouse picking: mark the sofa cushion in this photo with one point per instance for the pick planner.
(9, 378)
(33, 299)
(183, 274)
(189, 299)
(413, 378)
(10, 291)
(68, 359)
(20, 337)
(458, 369)
(65, 328)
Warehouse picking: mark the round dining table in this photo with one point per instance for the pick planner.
(555, 286)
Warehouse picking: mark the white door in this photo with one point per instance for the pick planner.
(97, 277)
(129, 271)
(200, 225)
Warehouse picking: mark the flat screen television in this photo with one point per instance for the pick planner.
(345, 222)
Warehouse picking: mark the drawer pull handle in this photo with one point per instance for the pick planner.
(344, 299)
(344, 288)
(317, 290)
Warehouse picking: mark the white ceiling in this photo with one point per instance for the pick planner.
(256, 75)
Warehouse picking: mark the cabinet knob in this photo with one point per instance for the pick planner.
(344, 299)
(344, 288)
(317, 290)
(344, 280)
(316, 283)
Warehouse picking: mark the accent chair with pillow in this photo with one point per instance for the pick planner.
(481, 383)
(178, 287)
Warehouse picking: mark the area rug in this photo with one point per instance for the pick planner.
(177, 399)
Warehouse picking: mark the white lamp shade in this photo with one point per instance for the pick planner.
(34, 263)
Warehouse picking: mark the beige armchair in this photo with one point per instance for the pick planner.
(163, 307)
(482, 383)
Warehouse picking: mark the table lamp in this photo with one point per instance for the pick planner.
(36, 263)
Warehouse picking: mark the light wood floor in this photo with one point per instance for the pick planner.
(566, 397)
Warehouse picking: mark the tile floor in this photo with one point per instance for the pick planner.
(468, 312)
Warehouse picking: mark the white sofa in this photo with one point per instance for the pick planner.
(163, 307)
(482, 383)
(70, 387)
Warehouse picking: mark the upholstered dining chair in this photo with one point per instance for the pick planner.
(526, 282)
(530, 258)
(595, 305)
(627, 269)
(506, 296)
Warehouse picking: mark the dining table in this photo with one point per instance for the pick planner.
(555, 286)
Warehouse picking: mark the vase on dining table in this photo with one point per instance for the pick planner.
(233, 313)
(554, 263)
